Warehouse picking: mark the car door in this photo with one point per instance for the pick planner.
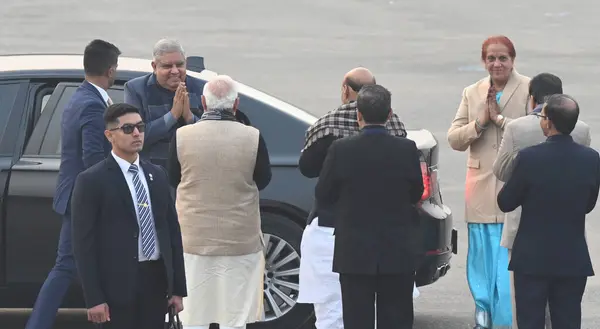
(33, 225)
(13, 96)
(284, 136)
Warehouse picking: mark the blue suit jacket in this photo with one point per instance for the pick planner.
(556, 183)
(83, 141)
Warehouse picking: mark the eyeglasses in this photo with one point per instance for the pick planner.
(539, 115)
(128, 128)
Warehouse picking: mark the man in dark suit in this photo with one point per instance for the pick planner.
(556, 184)
(374, 179)
(83, 145)
(126, 236)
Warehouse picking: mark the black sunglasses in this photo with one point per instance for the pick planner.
(128, 128)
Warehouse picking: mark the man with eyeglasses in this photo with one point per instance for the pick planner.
(168, 98)
(556, 184)
(519, 134)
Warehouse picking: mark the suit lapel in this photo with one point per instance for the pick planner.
(510, 88)
(483, 89)
(121, 186)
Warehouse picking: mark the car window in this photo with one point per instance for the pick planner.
(283, 134)
(8, 96)
(117, 96)
(45, 101)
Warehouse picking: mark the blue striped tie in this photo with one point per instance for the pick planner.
(145, 214)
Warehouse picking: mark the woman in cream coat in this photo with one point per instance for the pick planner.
(486, 107)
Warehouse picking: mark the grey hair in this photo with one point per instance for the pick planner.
(220, 93)
(167, 46)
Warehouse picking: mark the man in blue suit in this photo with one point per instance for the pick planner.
(83, 145)
(167, 98)
(556, 183)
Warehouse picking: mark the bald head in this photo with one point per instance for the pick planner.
(353, 81)
(359, 77)
(220, 93)
(563, 111)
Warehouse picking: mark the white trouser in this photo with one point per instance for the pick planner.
(329, 314)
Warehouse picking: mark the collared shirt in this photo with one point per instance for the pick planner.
(374, 129)
(124, 165)
(103, 92)
(538, 108)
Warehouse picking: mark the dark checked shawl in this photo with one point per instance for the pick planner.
(342, 122)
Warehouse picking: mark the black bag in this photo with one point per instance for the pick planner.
(174, 322)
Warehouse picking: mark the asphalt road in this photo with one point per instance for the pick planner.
(425, 52)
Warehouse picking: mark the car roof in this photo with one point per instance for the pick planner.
(69, 62)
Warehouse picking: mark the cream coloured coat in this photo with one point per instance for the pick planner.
(481, 185)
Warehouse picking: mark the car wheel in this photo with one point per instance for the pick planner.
(282, 266)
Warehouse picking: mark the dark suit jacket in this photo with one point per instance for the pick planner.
(155, 104)
(105, 233)
(83, 141)
(374, 179)
(556, 183)
(310, 165)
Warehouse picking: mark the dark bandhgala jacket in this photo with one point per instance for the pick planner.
(556, 183)
(374, 180)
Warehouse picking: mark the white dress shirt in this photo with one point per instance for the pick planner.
(104, 94)
(124, 164)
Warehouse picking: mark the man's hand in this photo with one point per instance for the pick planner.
(187, 112)
(99, 313)
(177, 302)
(178, 100)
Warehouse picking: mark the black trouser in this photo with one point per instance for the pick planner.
(148, 309)
(563, 294)
(394, 301)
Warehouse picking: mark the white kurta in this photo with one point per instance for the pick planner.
(227, 290)
(318, 283)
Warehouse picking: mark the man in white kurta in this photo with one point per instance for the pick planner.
(218, 166)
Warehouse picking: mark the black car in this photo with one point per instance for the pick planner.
(34, 90)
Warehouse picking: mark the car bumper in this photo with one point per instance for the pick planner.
(440, 243)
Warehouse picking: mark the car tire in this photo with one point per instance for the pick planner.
(277, 228)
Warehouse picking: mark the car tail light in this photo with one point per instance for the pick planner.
(426, 181)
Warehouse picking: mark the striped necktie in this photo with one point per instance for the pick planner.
(144, 213)
(109, 101)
